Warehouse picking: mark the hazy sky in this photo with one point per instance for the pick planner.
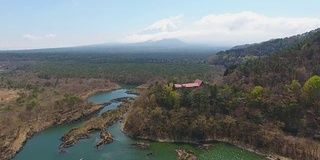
(58, 23)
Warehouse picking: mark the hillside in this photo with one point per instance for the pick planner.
(291, 83)
(270, 105)
(243, 53)
(300, 62)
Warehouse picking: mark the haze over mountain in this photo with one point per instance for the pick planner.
(150, 43)
(150, 46)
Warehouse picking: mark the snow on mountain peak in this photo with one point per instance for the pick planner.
(165, 25)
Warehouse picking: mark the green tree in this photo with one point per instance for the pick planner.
(311, 91)
(199, 99)
(256, 94)
(166, 96)
(185, 97)
(294, 87)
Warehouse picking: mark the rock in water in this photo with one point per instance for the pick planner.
(185, 154)
(141, 145)
(204, 146)
(106, 138)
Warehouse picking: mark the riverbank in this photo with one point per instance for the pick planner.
(24, 133)
(249, 148)
(40, 118)
(99, 90)
(164, 138)
(225, 140)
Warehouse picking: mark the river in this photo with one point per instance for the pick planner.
(44, 145)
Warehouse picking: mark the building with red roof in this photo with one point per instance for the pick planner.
(196, 83)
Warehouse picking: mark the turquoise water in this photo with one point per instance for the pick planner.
(107, 96)
(44, 145)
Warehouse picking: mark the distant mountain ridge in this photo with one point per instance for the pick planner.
(170, 42)
(151, 46)
(243, 53)
(164, 43)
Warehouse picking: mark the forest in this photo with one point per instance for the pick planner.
(129, 68)
(40, 90)
(243, 53)
(271, 104)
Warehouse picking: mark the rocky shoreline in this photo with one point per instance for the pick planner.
(22, 134)
(225, 140)
(26, 133)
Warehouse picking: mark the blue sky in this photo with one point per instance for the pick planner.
(59, 23)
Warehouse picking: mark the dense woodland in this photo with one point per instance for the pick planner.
(271, 104)
(130, 68)
(244, 53)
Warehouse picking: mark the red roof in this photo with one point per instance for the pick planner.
(196, 83)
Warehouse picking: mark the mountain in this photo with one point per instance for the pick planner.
(163, 43)
(243, 53)
(160, 27)
(153, 46)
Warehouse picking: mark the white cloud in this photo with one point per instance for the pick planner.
(33, 37)
(30, 37)
(249, 27)
(250, 21)
(229, 28)
(50, 35)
